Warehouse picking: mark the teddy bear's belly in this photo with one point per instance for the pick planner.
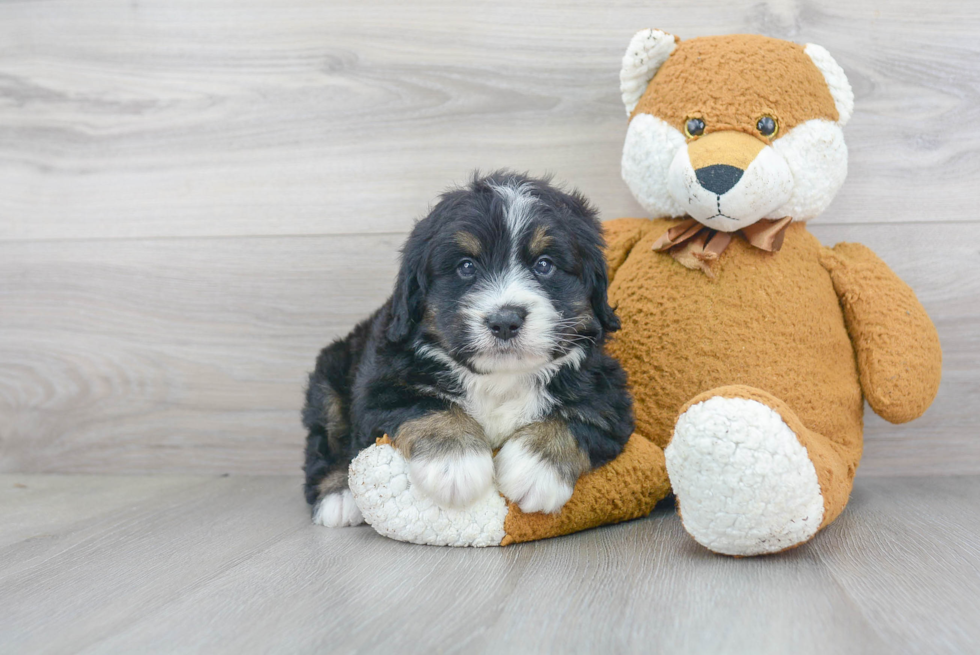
(768, 321)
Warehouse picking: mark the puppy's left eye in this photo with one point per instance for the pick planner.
(544, 267)
(466, 268)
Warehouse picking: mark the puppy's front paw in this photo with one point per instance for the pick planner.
(531, 481)
(452, 480)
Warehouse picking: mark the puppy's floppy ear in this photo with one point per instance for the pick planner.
(599, 280)
(591, 252)
(408, 300)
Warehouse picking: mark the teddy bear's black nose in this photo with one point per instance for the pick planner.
(719, 178)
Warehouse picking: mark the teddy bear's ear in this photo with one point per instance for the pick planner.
(647, 52)
(840, 88)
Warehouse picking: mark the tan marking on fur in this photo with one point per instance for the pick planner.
(730, 82)
(555, 443)
(333, 482)
(469, 243)
(335, 413)
(540, 240)
(731, 148)
(432, 327)
(337, 428)
(440, 433)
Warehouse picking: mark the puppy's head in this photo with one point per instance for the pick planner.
(506, 274)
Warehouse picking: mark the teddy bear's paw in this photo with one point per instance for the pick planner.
(337, 510)
(395, 508)
(530, 481)
(744, 483)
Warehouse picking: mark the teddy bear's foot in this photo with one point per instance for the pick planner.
(626, 488)
(395, 508)
(745, 485)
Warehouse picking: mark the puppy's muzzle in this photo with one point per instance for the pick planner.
(505, 323)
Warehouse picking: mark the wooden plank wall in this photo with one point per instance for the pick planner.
(196, 196)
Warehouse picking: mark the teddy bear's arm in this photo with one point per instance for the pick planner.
(621, 234)
(898, 353)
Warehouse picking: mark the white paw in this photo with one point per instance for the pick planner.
(530, 481)
(454, 481)
(337, 510)
(397, 509)
(744, 483)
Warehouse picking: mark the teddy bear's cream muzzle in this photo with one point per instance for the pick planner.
(728, 180)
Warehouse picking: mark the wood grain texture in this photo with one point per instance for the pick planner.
(190, 355)
(195, 197)
(122, 119)
(234, 565)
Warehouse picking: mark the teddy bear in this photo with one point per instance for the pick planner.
(750, 347)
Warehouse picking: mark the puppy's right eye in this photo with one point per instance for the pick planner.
(466, 268)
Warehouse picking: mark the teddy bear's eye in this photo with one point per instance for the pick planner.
(694, 127)
(767, 126)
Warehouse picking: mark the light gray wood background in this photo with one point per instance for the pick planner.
(196, 196)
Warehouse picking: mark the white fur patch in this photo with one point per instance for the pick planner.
(505, 400)
(833, 74)
(519, 206)
(647, 51)
(530, 481)
(650, 148)
(798, 175)
(817, 157)
(534, 342)
(396, 509)
(765, 185)
(337, 510)
(744, 483)
(453, 481)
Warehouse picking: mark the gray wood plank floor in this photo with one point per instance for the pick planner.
(101, 564)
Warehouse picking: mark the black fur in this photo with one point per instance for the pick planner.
(376, 378)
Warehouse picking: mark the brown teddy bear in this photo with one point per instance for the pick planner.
(750, 347)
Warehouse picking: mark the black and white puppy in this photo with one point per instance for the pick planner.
(493, 339)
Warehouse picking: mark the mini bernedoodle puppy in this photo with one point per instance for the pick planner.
(493, 339)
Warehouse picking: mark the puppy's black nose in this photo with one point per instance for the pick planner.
(719, 178)
(505, 322)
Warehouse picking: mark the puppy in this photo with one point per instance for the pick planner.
(493, 339)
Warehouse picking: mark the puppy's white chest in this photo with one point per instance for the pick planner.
(502, 403)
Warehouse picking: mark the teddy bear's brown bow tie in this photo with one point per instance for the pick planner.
(697, 247)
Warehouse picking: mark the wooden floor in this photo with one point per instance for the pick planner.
(232, 564)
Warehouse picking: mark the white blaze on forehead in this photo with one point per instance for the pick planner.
(520, 204)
